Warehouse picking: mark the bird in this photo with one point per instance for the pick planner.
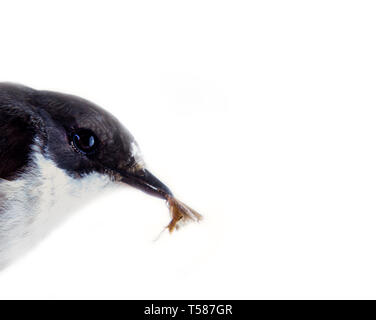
(56, 151)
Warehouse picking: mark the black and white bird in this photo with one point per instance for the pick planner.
(55, 151)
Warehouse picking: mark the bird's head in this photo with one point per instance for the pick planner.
(82, 138)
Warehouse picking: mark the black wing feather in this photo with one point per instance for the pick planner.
(18, 129)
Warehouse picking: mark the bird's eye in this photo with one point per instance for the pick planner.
(84, 141)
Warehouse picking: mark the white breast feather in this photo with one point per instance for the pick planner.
(32, 204)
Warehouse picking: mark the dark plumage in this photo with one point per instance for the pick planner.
(51, 143)
(53, 118)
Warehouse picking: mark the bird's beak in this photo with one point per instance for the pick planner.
(145, 181)
(142, 179)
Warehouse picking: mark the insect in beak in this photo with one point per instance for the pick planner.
(143, 180)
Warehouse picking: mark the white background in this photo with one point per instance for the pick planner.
(259, 114)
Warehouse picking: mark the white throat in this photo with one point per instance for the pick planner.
(34, 203)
